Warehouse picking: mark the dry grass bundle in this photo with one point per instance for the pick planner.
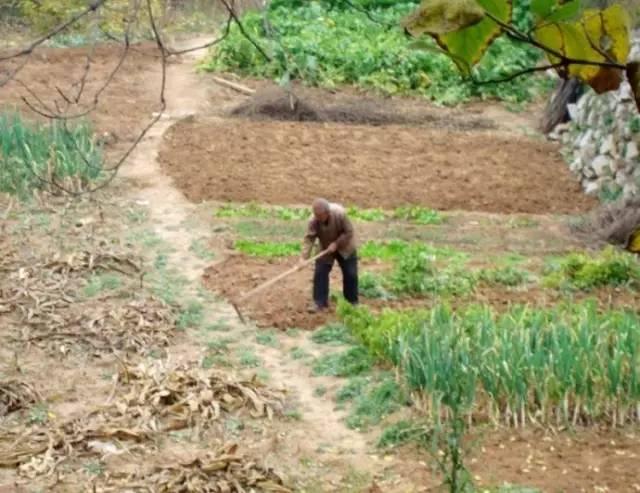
(16, 395)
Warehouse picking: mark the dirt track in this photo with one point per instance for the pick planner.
(286, 163)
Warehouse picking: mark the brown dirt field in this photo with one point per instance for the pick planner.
(284, 305)
(125, 106)
(286, 162)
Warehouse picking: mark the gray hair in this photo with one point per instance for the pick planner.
(321, 205)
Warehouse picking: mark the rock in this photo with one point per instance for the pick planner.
(629, 190)
(632, 152)
(592, 187)
(576, 165)
(585, 139)
(601, 165)
(623, 179)
(572, 108)
(608, 145)
(588, 152)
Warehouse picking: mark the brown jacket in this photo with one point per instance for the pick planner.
(338, 228)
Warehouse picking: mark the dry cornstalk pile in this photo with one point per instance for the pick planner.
(151, 400)
(16, 395)
(42, 297)
(161, 400)
(223, 471)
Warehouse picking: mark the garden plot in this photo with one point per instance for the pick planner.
(385, 166)
(415, 258)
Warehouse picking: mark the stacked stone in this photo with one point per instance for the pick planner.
(601, 142)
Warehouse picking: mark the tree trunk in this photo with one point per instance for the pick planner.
(567, 91)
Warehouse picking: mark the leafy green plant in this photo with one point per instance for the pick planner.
(373, 286)
(418, 215)
(248, 359)
(507, 276)
(402, 432)
(327, 47)
(581, 271)
(371, 407)
(201, 250)
(334, 333)
(353, 361)
(33, 155)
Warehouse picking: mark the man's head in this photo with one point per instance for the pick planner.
(320, 209)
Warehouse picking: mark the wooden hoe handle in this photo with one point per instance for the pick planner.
(279, 277)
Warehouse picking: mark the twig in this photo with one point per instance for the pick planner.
(232, 85)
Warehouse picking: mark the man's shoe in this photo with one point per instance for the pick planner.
(316, 309)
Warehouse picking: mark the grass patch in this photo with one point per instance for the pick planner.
(268, 249)
(403, 432)
(582, 271)
(200, 249)
(248, 359)
(31, 153)
(271, 229)
(299, 353)
(99, 283)
(353, 361)
(418, 215)
(370, 407)
(335, 334)
(505, 276)
(320, 391)
(373, 286)
(191, 316)
(267, 338)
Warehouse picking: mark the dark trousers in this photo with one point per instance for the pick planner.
(349, 267)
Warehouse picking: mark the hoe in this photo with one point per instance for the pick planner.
(272, 281)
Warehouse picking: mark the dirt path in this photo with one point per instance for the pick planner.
(172, 216)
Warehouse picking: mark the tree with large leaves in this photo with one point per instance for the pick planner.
(588, 44)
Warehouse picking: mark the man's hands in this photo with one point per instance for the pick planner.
(332, 248)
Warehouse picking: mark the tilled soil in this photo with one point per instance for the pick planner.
(285, 304)
(388, 166)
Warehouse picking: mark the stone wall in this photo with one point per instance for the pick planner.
(602, 141)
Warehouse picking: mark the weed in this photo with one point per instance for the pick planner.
(218, 326)
(507, 276)
(371, 407)
(271, 229)
(522, 222)
(293, 332)
(354, 361)
(99, 283)
(267, 338)
(334, 333)
(263, 375)
(579, 271)
(372, 286)
(268, 249)
(161, 261)
(248, 359)
(299, 353)
(355, 387)
(233, 425)
(137, 215)
(418, 215)
(214, 360)
(94, 468)
(191, 316)
(38, 414)
(201, 250)
(293, 414)
(320, 391)
(403, 432)
(220, 345)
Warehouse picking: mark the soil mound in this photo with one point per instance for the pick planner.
(307, 106)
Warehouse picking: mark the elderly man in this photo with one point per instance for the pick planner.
(332, 228)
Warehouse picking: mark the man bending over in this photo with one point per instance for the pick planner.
(333, 229)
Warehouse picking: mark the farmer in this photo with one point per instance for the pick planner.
(332, 228)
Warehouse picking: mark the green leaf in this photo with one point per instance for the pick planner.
(442, 16)
(598, 36)
(467, 46)
(542, 8)
(565, 12)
